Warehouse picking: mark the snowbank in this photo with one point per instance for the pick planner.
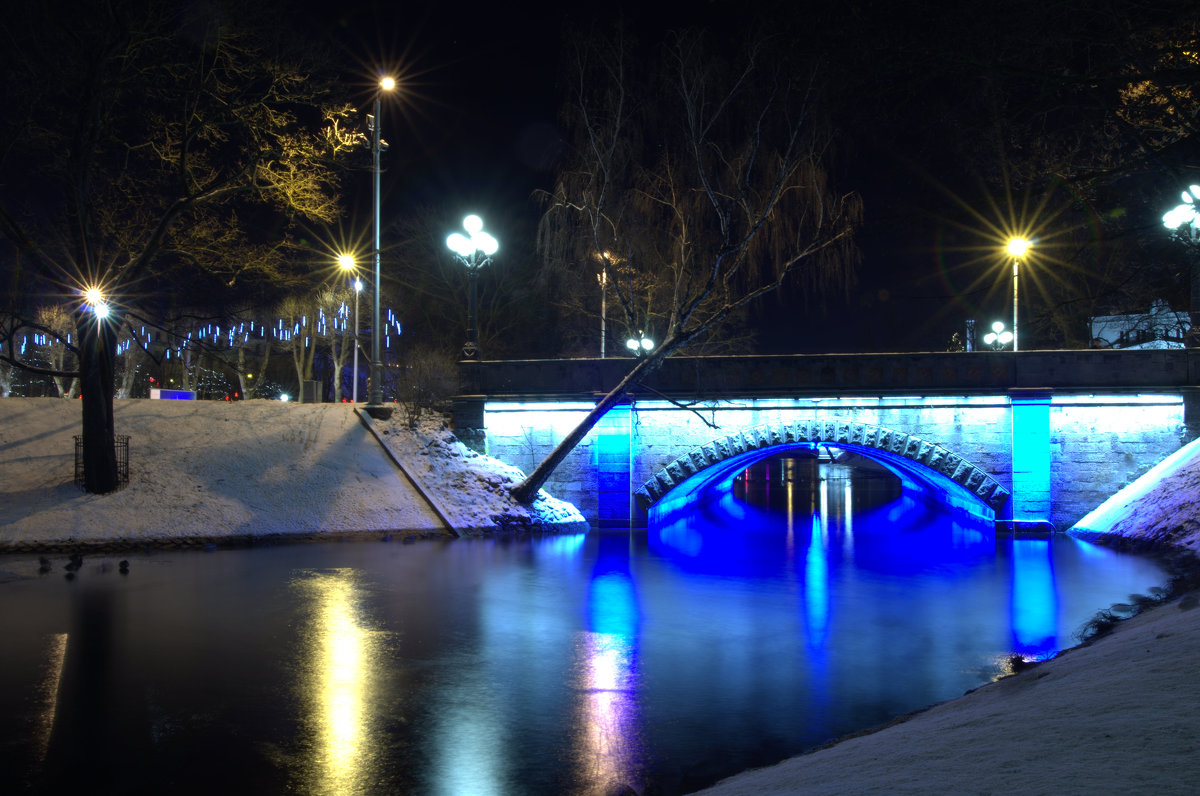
(1158, 508)
(205, 472)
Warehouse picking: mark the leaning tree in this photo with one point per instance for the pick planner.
(143, 142)
(700, 180)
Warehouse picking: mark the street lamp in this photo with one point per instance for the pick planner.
(999, 337)
(1184, 221)
(346, 263)
(375, 394)
(640, 345)
(468, 251)
(94, 298)
(1017, 249)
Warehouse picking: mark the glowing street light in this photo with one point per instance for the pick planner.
(1185, 215)
(347, 264)
(94, 298)
(467, 251)
(639, 345)
(375, 394)
(1017, 248)
(999, 337)
(1184, 221)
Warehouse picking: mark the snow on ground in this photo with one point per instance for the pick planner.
(1159, 507)
(212, 471)
(1120, 715)
(474, 490)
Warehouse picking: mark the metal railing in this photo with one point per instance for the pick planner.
(120, 447)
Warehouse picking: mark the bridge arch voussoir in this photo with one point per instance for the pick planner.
(838, 432)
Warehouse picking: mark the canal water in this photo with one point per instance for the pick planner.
(812, 601)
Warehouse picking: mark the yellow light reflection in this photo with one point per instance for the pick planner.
(608, 725)
(341, 656)
(608, 730)
(49, 693)
(790, 464)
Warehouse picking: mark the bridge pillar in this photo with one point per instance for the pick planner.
(1191, 414)
(1031, 459)
(467, 420)
(613, 462)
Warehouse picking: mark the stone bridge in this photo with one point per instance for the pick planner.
(1035, 438)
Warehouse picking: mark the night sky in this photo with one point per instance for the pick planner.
(474, 128)
(477, 130)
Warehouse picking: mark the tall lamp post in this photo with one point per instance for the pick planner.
(375, 394)
(1184, 221)
(1017, 248)
(468, 251)
(602, 278)
(346, 263)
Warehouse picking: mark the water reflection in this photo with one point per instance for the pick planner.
(48, 694)
(1034, 600)
(539, 665)
(607, 735)
(340, 658)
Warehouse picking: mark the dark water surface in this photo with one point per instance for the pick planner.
(664, 660)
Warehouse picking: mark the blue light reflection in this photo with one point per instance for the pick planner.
(1034, 599)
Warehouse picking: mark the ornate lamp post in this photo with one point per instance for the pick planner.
(1184, 222)
(1017, 248)
(375, 394)
(640, 345)
(346, 263)
(999, 337)
(474, 252)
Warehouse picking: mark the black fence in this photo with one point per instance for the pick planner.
(120, 446)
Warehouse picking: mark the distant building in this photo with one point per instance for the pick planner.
(1157, 328)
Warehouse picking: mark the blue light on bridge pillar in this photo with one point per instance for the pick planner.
(1031, 458)
(612, 460)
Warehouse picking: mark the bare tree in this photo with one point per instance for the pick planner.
(706, 180)
(147, 128)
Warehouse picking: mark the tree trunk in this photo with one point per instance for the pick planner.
(97, 352)
(527, 490)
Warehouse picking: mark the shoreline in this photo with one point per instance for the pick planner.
(811, 771)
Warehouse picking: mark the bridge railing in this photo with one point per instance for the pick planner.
(846, 375)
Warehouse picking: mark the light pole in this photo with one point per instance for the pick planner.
(602, 277)
(1184, 221)
(468, 251)
(375, 394)
(999, 337)
(1017, 249)
(346, 263)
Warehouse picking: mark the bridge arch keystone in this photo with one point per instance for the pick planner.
(863, 438)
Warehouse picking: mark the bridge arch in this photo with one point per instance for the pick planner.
(916, 461)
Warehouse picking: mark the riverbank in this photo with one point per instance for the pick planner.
(218, 473)
(1117, 715)
(1120, 714)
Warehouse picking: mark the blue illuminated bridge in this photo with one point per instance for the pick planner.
(1031, 439)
